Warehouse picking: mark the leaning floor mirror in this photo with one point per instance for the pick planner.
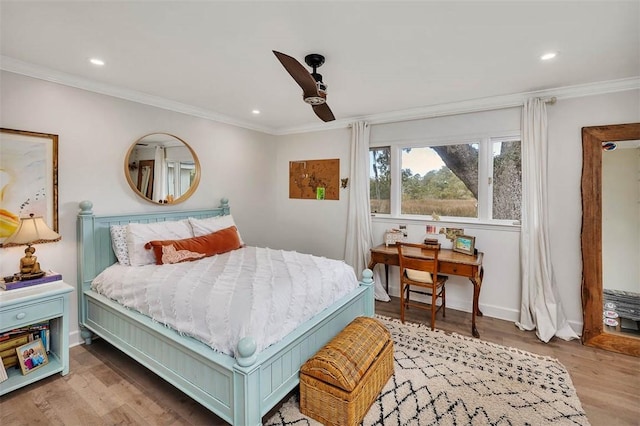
(611, 237)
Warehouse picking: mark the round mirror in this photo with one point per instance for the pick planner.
(162, 168)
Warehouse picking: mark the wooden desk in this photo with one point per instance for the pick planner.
(449, 263)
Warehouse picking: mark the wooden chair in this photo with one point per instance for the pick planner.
(420, 275)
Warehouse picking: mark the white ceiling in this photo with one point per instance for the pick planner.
(215, 57)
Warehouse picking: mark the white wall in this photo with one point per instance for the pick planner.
(311, 226)
(95, 131)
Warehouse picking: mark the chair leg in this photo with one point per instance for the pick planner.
(434, 296)
(444, 301)
(402, 303)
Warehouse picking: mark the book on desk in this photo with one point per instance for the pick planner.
(49, 277)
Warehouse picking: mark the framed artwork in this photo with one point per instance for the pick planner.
(451, 233)
(464, 244)
(28, 179)
(32, 356)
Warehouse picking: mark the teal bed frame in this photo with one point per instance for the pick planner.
(240, 390)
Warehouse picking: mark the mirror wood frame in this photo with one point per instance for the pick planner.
(134, 186)
(593, 333)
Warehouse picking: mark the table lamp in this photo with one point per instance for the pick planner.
(31, 230)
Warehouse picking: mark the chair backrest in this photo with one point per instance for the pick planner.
(427, 262)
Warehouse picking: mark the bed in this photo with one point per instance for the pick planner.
(240, 389)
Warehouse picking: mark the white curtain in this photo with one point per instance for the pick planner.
(541, 308)
(359, 235)
(159, 175)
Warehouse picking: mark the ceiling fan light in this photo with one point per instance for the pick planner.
(315, 100)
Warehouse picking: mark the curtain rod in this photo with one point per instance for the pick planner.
(550, 100)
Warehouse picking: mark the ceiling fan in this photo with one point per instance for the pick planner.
(314, 91)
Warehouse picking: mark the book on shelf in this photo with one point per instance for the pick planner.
(49, 277)
(44, 325)
(3, 372)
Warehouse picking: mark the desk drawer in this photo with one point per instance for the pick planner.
(455, 269)
(386, 258)
(31, 313)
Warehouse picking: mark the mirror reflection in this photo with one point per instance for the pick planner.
(621, 236)
(162, 168)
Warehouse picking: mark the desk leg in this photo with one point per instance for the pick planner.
(477, 284)
(386, 276)
(372, 264)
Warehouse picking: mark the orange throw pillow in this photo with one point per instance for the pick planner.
(211, 244)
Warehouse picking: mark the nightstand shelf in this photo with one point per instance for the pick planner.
(43, 302)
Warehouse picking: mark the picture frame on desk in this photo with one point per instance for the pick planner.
(32, 356)
(464, 244)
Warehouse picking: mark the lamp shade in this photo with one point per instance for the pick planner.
(32, 230)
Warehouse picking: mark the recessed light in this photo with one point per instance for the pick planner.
(255, 111)
(96, 61)
(548, 56)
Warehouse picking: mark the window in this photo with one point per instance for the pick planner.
(476, 179)
(507, 180)
(180, 176)
(380, 180)
(430, 186)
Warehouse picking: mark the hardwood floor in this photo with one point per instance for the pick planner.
(105, 387)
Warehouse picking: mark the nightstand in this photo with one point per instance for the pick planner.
(25, 306)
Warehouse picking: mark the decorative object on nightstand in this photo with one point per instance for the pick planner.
(31, 230)
(13, 282)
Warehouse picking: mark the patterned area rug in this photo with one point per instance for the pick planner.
(443, 379)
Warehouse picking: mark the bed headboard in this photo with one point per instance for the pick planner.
(94, 238)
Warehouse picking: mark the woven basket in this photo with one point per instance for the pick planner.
(339, 383)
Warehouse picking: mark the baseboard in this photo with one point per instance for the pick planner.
(75, 339)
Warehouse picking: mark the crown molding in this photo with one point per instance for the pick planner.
(477, 105)
(474, 105)
(30, 70)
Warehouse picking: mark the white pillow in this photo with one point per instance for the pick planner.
(421, 276)
(212, 224)
(139, 234)
(119, 243)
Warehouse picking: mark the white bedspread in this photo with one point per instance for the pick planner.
(252, 291)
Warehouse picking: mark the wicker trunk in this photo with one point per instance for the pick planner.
(340, 382)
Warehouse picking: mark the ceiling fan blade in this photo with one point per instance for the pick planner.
(299, 74)
(324, 112)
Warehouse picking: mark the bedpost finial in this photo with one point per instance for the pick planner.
(246, 352)
(224, 205)
(85, 207)
(367, 276)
